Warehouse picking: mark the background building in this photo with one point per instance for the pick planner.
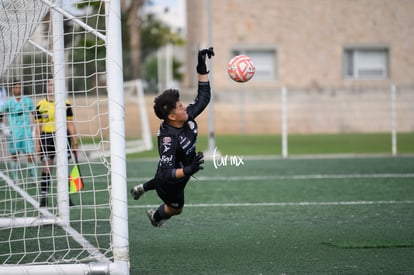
(309, 44)
(337, 59)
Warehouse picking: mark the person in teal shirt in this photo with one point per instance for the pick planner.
(18, 111)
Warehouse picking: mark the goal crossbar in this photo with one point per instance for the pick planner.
(75, 20)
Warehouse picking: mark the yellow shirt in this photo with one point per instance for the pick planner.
(45, 114)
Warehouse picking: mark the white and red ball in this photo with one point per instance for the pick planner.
(241, 68)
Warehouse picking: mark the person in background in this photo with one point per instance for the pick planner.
(45, 138)
(3, 98)
(18, 112)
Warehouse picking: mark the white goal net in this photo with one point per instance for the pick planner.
(83, 228)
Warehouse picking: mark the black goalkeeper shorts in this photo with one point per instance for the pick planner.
(48, 148)
(171, 194)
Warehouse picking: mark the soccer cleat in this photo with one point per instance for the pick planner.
(137, 191)
(150, 214)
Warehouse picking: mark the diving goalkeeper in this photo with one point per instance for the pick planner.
(177, 137)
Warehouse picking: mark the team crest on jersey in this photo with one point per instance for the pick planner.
(166, 140)
(166, 159)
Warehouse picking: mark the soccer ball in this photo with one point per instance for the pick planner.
(241, 68)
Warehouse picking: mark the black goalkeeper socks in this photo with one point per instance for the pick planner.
(149, 185)
(160, 214)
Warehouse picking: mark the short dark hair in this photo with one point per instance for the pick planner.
(166, 102)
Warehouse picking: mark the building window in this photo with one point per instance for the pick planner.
(366, 63)
(264, 60)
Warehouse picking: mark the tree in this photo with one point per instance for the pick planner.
(157, 35)
(143, 35)
(131, 34)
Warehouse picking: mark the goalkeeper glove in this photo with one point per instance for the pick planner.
(195, 166)
(201, 66)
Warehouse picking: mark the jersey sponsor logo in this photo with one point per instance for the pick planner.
(166, 159)
(186, 145)
(191, 124)
(166, 148)
(182, 139)
(191, 150)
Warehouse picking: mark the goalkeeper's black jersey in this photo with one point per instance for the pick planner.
(177, 146)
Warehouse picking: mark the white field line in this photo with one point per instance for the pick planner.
(284, 204)
(294, 177)
(307, 177)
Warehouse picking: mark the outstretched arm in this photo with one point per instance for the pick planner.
(203, 93)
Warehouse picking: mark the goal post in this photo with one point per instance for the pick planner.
(79, 45)
(139, 136)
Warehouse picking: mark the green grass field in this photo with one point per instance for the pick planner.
(374, 143)
(282, 216)
(340, 204)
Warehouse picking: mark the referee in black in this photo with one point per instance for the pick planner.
(45, 138)
(177, 138)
